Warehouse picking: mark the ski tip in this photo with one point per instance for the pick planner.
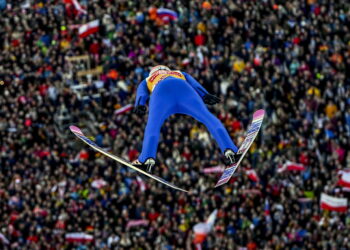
(218, 184)
(75, 129)
(258, 113)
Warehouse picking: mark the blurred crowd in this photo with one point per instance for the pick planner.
(291, 58)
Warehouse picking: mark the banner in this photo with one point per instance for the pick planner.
(216, 169)
(333, 204)
(291, 166)
(79, 237)
(344, 178)
(134, 223)
(89, 28)
(124, 109)
(141, 184)
(76, 5)
(201, 230)
(99, 183)
(252, 175)
(166, 14)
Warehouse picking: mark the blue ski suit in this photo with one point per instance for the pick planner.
(175, 92)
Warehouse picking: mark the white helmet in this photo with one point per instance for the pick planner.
(158, 67)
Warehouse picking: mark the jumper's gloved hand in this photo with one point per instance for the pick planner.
(140, 110)
(211, 99)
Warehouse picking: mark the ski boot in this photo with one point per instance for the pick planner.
(230, 157)
(148, 164)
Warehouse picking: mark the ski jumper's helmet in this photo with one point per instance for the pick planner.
(158, 67)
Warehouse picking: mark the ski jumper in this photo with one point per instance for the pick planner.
(175, 92)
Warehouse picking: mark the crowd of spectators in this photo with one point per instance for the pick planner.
(291, 58)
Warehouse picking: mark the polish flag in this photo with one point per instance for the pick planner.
(344, 178)
(98, 184)
(216, 169)
(79, 237)
(77, 6)
(291, 166)
(334, 204)
(124, 109)
(89, 28)
(201, 230)
(134, 223)
(141, 184)
(252, 175)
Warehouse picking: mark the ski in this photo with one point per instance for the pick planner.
(252, 132)
(77, 131)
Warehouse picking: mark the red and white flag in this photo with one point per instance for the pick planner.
(201, 230)
(252, 175)
(79, 237)
(344, 178)
(134, 223)
(89, 28)
(254, 191)
(76, 5)
(216, 169)
(124, 109)
(99, 183)
(334, 204)
(141, 184)
(291, 166)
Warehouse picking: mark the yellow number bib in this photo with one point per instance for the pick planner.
(154, 79)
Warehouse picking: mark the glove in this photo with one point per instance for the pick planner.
(140, 110)
(211, 99)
